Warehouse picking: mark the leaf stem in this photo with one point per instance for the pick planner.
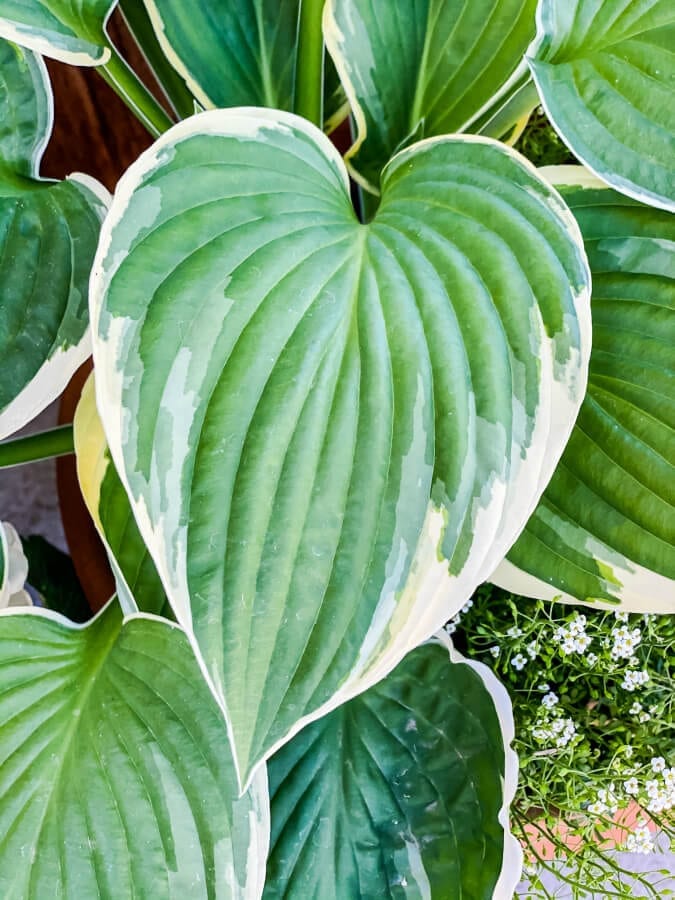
(45, 445)
(128, 86)
(309, 67)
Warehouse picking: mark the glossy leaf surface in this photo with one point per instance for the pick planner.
(72, 31)
(605, 527)
(284, 389)
(419, 68)
(48, 236)
(401, 792)
(605, 71)
(114, 767)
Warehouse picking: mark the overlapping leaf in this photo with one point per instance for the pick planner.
(401, 792)
(240, 53)
(420, 68)
(72, 31)
(13, 568)
(115, 774)
(283, 389)
(605, 527)
(605, 72)
(48, 236)
(138, 583)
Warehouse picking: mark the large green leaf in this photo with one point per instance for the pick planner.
(283, 389)
(138, 583)
(605, 527)
(48, 236)
(115, 774)
(238, 52)
(13, 568)
(420, 68)
(72, 31)
(402, 792)
(605, 71)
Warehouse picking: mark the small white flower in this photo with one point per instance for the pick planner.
(635, 708)
(591, 659)
(652, 788)
(644, 717)
(597, 808)
(658, 764)
(628, 750)
(621, 616)
(514, 632)
(519, 662)
(568, 646)
(494, 651)
(640, 841)
(532, 649)
(581, 643)
(631, 787)
(451, 628)
(669, 778)
(550, 700)
(544, 686)
(467, 606)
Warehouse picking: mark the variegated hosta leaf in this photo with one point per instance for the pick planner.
(605, 527)
(420, 68)
(13, 569)
(238, 52)
(402, 792)
(72, 31)
(605, 71)
(138, 583)
(283, 389)
(48, 236)
(115, 774)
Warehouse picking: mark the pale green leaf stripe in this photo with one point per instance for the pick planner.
(72, 31)
(605, 71)
(402, 792)
(13, 568)
(605, 527)
(48, 236)
(115, 775)
(238, 52)
(283, 390)
(420, 68)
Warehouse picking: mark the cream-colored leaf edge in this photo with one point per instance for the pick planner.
(15, 569)
(38, 42)
(419, 618)
(259, 789)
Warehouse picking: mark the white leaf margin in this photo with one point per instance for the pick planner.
(259, 816)
(15, 569)
(432, 596)
(51, 379)
(71, 50)
(512, 860)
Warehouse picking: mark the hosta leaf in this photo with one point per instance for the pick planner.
(238, 52)
(420, 68)
(13, 568)
(605, 527)
(283, 389)
(138, 583)
(72, 31)
(115, 773)
(401, 792)
(605, 72)
(48, 236)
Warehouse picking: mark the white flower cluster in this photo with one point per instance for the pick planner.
(640, 841)
(573, 638)
(633, 680)
(637, 710)
(451, 626)
(607, 802)
(661, 792)
(625, 640)
(555, 730)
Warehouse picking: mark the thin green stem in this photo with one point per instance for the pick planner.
(127, 85)
(45, 445)
(309, 67)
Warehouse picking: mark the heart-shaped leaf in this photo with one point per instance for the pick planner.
(605, 71)
(138, 584)
(115, 774)
(402, 792)
(284, 389)
(13, 568)
(72, 31)
(605, 527)
(48, 236)
(239, 52)
(418, 69)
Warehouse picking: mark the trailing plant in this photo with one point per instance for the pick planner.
(316, 424)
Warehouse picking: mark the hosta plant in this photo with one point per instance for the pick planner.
(331, 396)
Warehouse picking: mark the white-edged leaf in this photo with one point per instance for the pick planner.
(310, 415)
(72, 31)
(415, 69)
(13, 569)
(115, 773)
(605, 71)
(402, 792)
(604, 530)
(48, 236)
